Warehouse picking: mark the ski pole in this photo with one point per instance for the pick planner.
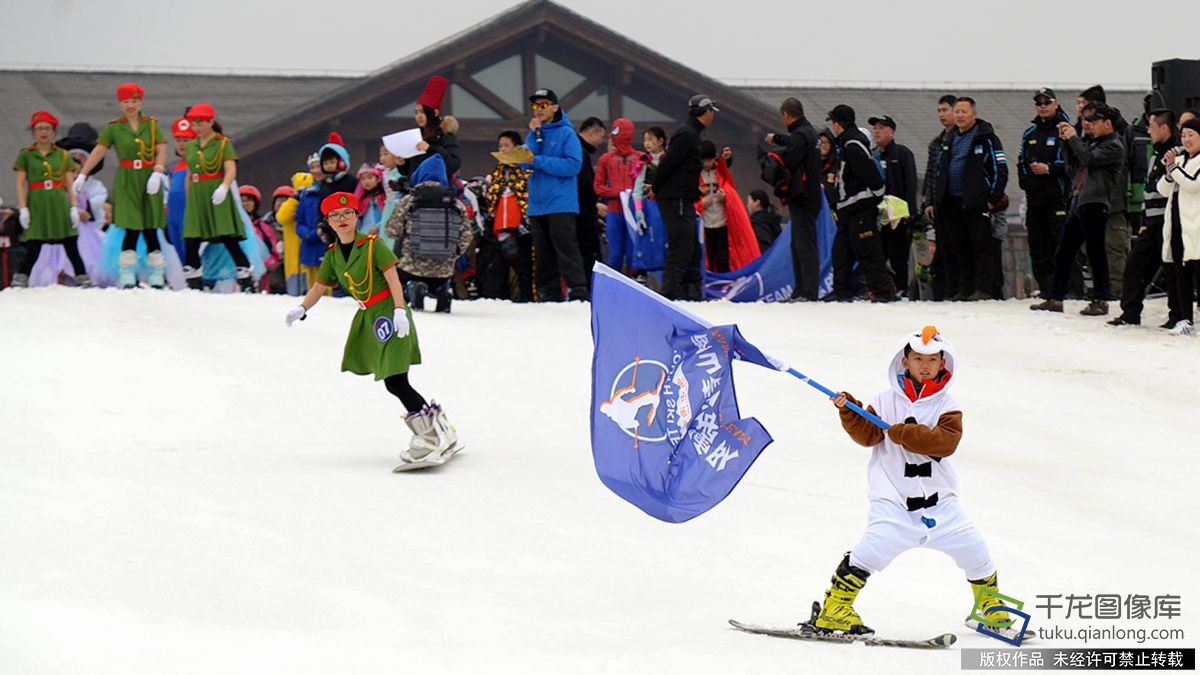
(874, 419)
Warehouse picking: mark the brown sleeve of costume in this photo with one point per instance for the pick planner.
(860, 429)
(940, 441)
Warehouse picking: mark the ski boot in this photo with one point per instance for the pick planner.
(127, 269)
(837, 615)
(156, 263)
(20, 281)
(414, 295)
(423, 449)
(83, 281)
(245, 280)
(194, 277)
(997, 621)
(444, 294)
(448, 443)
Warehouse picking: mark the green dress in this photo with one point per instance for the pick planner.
(372, 346)
(133, 209)
(49, 209)
(206, 171)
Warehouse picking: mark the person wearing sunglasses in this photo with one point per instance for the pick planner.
(554, 199)
(1042, 174)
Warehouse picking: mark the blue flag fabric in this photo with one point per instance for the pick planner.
(667, 435)
(771, 277)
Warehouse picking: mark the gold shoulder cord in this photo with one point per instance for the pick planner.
(144, 154)
(355, 287)
(62, 167)
(213, 166)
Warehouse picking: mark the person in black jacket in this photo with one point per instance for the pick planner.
(972, 175)
(587, 225)
(1145, 258)
(802, 158)
(676, 188)
(942, 268)
(900, 180)
(1042, 174)
(764, 218)
(860, 187)
(438, 134)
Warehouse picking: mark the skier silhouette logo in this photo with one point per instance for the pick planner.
(635, 398)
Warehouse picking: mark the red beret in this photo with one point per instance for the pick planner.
(435, 91)
(339, 200)
(43, 116)
(182, 129)
(130, 90)
(201, 111)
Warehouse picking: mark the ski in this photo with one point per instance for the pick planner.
(441, 460)
(802, 633)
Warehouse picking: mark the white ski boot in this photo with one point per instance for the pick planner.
(447, 434)
(157, 265)
(423, 450)
(127, 269)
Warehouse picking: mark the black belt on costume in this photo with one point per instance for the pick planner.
(918, 470)
(918, 503)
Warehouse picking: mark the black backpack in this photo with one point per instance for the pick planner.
(774, 172)
(434, 222)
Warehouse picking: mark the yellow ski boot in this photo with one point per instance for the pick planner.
(994, 620)
(838, 614)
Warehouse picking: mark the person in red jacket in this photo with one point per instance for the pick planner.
(615, 173)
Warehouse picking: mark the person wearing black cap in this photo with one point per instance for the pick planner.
(900, 179)
(553, 204)
(801, 155)
(860, 187)
(1042, 174)
(676, 188)
(1099, 186)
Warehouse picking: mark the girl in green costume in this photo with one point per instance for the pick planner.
(45, 193)
(137, 195)
(381, 341)
(210, 215)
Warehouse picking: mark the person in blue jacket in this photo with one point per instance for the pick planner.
(554, 200)
(182, 131)
(335, 177)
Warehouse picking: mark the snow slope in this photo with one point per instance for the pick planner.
(187, 486)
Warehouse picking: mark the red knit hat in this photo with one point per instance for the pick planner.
(43, 116)
(435, 91)
(339, 200)
(182, 129)
(201, 111)
(130, 90)
(336, 139)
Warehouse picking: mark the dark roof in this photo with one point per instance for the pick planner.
(242, 101)
(914, 110)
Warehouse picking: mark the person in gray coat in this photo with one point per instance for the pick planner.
(1098, 187)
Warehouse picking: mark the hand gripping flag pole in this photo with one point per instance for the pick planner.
(671, 442)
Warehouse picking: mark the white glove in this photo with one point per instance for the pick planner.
(79, 181)
(295, 315)
(24, 218)
(400, 322)
(75, 217)
(219, 195)
(154, 183)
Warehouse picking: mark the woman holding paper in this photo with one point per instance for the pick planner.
(437, 134)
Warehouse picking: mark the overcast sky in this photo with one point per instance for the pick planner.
(1009, 41)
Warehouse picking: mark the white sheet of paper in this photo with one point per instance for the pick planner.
(403, 143)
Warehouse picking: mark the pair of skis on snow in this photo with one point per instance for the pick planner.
(808, 631)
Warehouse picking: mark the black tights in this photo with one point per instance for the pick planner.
(399, 387)
(131, 239)
(34, 248)
(192, 254)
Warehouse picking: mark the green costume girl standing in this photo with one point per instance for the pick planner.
(210, 215)
(45, 194)
(381, 341)
(137, 195)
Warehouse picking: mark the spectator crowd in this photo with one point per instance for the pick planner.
(1111, 206)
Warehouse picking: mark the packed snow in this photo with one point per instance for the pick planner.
(188, 486)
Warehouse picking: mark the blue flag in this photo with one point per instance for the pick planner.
(771, 277)
(667, 435)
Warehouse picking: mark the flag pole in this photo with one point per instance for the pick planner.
(874, 419)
